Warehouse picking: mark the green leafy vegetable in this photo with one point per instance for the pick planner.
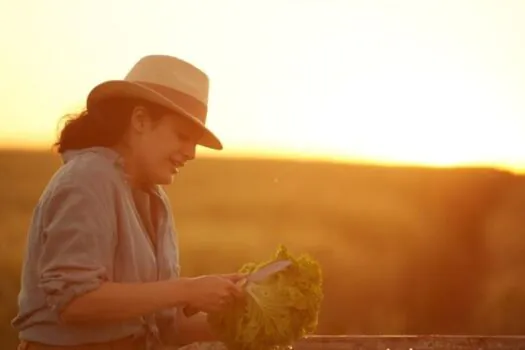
(277, 311)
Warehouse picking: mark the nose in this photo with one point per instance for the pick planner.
(189, 150)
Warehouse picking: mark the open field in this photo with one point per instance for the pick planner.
(404, 250)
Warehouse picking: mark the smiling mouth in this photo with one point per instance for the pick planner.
(175, 167)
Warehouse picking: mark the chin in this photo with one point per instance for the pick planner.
(165, 179)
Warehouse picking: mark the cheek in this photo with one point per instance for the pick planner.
(166, 139)
(159, 149)
(150, 151)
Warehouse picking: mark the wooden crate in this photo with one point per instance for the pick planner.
(396, 342)
(416, 342)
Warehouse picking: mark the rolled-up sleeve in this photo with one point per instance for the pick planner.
(78, 240)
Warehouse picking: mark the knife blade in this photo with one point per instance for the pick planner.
(268, 270)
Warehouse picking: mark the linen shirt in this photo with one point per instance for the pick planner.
(86, 230)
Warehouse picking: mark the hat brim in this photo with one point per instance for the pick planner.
(122, 88)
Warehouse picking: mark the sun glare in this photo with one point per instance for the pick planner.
(417, 82)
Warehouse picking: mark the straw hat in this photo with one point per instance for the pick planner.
(169, 82)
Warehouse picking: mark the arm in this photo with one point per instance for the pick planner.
(78, 241)
(118, 301)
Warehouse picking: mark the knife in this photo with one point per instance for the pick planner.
(265, 272)
(257, 276)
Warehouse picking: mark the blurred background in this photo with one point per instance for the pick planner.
(384, 138)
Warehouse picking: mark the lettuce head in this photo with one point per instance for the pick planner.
(277, 311)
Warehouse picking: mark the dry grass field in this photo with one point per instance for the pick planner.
(404, 250)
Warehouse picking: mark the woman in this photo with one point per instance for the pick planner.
(101, 265)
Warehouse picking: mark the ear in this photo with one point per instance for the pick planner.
(140, 120)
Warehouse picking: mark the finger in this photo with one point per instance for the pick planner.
(227, 295)
(216, 308)
(234, 277)
(241, 283)
(222, 303)
(228, 300)
(190, 311)
(236, 290)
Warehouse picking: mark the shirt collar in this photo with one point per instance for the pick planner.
(106, 152)
(109, 154)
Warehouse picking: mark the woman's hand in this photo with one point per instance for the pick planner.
(213, 292)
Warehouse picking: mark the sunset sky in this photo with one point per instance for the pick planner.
(421, 82)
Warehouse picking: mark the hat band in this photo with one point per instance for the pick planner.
(187, 102)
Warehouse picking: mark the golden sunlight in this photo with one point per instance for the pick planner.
(417, 83)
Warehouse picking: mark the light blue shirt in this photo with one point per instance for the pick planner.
(86, 230)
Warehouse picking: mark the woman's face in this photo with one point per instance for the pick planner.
(160, 146)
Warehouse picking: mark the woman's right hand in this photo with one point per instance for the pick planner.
(212, 292)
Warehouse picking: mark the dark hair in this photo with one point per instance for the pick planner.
(103, 125)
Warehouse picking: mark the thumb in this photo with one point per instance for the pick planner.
(234, 277)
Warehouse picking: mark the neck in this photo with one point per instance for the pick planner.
(132, 169)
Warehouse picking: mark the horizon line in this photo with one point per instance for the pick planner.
(257, 154)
